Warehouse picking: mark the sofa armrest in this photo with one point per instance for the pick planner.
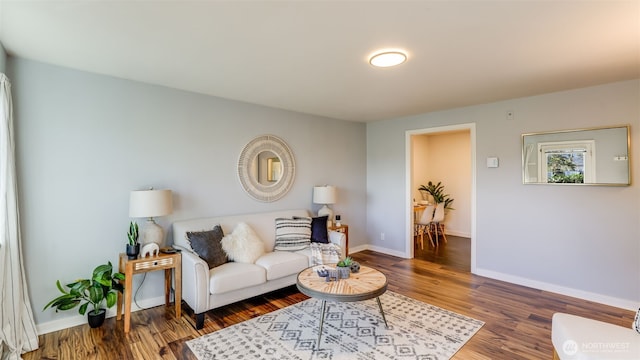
(195, 281)
(339, 239)
(575, 337)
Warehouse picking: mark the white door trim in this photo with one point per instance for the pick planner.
(409, 185)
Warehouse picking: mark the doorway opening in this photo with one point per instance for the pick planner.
(444, 154)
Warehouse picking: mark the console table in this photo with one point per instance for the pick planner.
(162, 261)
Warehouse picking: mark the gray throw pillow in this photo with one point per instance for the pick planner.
(208, 246)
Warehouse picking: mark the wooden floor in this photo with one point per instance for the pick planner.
(518, 319)
(454, 254)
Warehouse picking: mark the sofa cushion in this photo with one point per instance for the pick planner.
(279, 264)
(243, 245)
(292, 234)
(233, 276)
(207, 245)
(319, 232)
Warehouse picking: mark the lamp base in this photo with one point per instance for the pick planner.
(152, 233)
(325, 210)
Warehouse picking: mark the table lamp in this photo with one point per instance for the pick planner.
(149, 204)
(325, 195)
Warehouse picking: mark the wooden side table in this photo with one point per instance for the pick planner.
(343, 229)
(162, 261)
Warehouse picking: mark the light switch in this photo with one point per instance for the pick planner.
(492, 162)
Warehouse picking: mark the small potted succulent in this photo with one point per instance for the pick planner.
(133, 247)
(344, 267)
(103, 285)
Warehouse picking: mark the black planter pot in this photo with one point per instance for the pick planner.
(96, 320)
(133, 251)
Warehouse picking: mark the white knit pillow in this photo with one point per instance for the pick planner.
(636, 322)
(243, 245)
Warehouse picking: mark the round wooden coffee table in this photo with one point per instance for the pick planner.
(366, 284)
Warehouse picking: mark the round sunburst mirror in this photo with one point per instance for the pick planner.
(266, 168)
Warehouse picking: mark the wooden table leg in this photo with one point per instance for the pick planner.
(119, 302)
(128, 288)
(167, 287)
(177, 277)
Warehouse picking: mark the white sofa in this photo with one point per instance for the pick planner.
(575, 337)
(204, 289)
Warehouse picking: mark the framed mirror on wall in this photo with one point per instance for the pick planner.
(266, 168)
(593, 156)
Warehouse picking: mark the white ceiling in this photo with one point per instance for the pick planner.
(311, 56)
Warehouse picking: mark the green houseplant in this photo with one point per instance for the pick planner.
(437, 192)
(344, 267)
(133, 247)
(103, 286)
(347, 266)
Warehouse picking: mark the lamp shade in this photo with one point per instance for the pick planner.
(324, 194)
(150, 203)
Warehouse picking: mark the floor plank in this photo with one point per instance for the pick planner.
(518, 319)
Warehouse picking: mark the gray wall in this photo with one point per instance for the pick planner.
(84, 141)
(3, 59)
(582, 240)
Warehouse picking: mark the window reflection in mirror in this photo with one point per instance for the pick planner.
(268, 168)
(596, 156)
(274, 169)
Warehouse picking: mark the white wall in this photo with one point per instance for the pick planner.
(580, 240)
(84, 141)
(420, 168)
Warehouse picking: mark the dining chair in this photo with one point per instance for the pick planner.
(424, 224)
(438, 222)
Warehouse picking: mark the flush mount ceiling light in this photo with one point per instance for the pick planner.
(387, 58)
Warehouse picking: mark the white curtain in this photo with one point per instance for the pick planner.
(18, 331)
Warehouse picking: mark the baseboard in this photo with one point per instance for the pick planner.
(580, 294)
(78, 319)
(540, 285)
(378, 249)
(457, 233)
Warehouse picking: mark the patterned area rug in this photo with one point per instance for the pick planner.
(353, 331)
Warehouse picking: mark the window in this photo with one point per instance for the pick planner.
(566, 161)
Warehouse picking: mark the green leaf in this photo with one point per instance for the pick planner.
(63, 299)
(95, 295)
(119, 276)
(102, 281)
(83, 308)
(101, 269)
(111, 299)
(62, 290)
(68, 306)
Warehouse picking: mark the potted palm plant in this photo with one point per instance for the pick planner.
(103, 286)
(437, 192)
